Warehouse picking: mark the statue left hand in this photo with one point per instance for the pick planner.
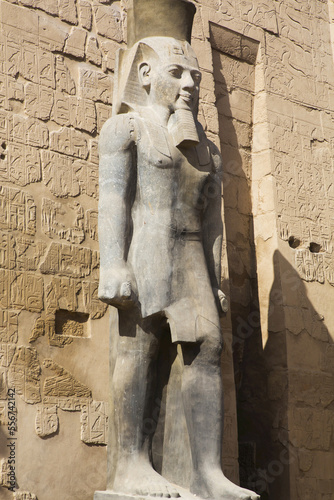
(221, 299)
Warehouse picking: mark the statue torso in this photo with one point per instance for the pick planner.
(169, 198)
(171, 182)
(167, 192)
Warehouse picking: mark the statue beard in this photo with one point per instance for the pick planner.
(182, 127)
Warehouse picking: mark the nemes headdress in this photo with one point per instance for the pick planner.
(147, 18)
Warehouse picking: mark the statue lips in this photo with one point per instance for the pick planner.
(187, 98)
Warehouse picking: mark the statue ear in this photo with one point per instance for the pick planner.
(145, 74)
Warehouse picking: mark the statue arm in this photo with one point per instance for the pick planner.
(213, 227)
(212, 231)
(116, 174)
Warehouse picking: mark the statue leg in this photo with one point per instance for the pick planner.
(202, 394)
(133, 388)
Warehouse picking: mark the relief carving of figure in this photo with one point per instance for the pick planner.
(160, 233)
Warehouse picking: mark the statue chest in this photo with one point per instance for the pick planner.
(167, 175)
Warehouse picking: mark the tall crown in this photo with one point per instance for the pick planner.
(172, 18)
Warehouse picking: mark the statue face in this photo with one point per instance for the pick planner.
(174, 78)
(176, 85)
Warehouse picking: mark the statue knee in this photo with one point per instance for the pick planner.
(207, 351)
(211, 348)
(210, 339)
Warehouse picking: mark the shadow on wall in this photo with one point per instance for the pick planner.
(277, 427)
(234, 88)
(262, 415)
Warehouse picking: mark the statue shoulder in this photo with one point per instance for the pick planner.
(118, 133)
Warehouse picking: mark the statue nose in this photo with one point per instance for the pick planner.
(188, 82)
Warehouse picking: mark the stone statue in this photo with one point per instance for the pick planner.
(160, 234)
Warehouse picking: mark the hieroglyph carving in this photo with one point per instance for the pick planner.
(21, 291)
(62, 384)
(3, 409)
(8, 327)
(46, 422)
(4, 473)
(303, 163)
(24, 495)
(17, 211)
(24, 374)
(94, 422)
(69, 260)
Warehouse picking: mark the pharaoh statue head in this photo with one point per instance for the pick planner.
(159, 67)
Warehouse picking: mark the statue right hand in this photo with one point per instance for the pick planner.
(117, 287)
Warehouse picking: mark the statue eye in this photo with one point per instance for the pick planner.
(176, 72)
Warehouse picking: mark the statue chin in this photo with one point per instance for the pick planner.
(182, 127)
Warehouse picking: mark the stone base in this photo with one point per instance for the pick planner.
(112, 495)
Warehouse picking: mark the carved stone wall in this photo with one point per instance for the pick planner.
(267, 99)
(55, 94)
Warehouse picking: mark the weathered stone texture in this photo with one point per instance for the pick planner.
(48, 202)
(94, 423)
(46, 422)
(267, 98)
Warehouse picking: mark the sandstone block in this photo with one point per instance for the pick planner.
(46, 422)
(103, 112)
(59, 176)
(68, 11)
(38, 101)
(85, 14)
(96, 85)
(69, 142)
(64, 80)
(52, 34)
(108, 22)
(93, 51)
(310, 428)
(75, 43)
(19, 211)
(18, 17)
(24, 374)
(67, 260)
(109, 49)
(94, 422)
(48, 6)
(24, 495)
